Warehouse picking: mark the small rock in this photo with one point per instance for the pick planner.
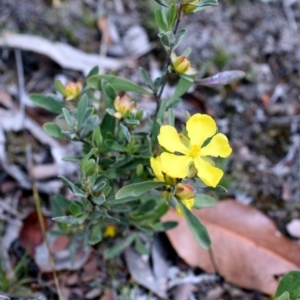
(293, 228)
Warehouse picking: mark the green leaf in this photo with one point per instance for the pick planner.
(96, 234)
(180, 35)
(284, 296)
(119, 247)
(66, 220)
(156, 125)
(67, 116)
(97, 139)
(81, 109)
(146, 77)
(138, 189)
(171, 117)
(146, 207)
(88, 112)
(75, 209)
(140, 247)
(90, 125)
(198, 230)
(53, 130)
(126, 132)
(168, 39)
(161, 3)
(71, 158)
(204, 4)
(169, 225)
(182, 86)
(46, 102)
(289, 283)
(59, 86)
(75, 190)
(94, 71)
(99, 200)
(187, 52)
(172, 16)
(202, 200)
(107, 125)
(119, 83)
(109, 93)
(160, 22)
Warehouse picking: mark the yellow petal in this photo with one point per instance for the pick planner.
(189, 203)
(208, 174)
(199, 128)
(218, 146)
(191, 71)
(170, 140)
(156, 168)
(175, 166)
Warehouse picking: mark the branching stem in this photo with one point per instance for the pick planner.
(167, 63)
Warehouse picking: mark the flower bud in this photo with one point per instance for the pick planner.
(182, 65)
(72, 90)
(188, 8)
(185, 191)
(124, 106)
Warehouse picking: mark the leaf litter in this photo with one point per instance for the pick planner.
(265, 175)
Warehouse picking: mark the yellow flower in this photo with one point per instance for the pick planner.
(123, 106)
(72, 90)
(182, 65)
(157, 170)
(110, 231)
(188, 8)
(194, 150)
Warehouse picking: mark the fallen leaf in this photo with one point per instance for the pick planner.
(248, 249)
(90, 269)
(31, 235)
(108, 295)
(183, 291)
(60, 249)
(141, 273)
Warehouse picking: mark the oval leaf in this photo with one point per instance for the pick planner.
(54, 130)
(289, 283)
(46, 102)
(198, 230)
(222, 78)
(119, 83)
(138, 189)
(202, 200)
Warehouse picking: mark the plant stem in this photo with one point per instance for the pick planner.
(167, 63)
(37, 201)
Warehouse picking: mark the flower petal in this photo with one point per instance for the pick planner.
(156, 168)
(208, 174)
(191, 71)
(200, 127)
(189, 203)
(175, 166)
(218, 146)
(170, 140)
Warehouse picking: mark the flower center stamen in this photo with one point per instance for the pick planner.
(194, 151)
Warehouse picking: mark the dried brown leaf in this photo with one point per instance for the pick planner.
(31, 234)
(247, 248)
